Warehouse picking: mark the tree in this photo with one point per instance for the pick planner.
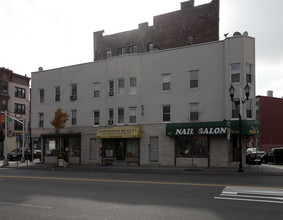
(59, 120)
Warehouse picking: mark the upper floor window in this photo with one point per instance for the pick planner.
(20, 92)
(166, 81)
(133, 49)
(4, 105)
(96, 118)
(110, 116)
(18, 126)
(121, 51)
(194, 112)
(111, 87)
(57, 93)
(20, 109)
(193, 77)
(4, 87)
(108, 54)
(96, 89)
(40, 120)
(121, 86)
(150, 46)
(74, 117)
(249, 108)
(120, 116)
(133, 115)
(73, 91)
(235, 73)
(235, 110)
(133, 85)
(249, 71)
(166, 113)
(41, 95)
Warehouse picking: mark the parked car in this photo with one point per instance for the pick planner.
(275, 155)
(253, 156)
(17, 154)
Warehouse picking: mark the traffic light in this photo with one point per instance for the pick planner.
(2, 118)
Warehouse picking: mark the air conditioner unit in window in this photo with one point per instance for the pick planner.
(110, 122)
(73, 97)
(111, 93)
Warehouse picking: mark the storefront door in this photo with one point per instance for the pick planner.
(120, 146)
(153, 149)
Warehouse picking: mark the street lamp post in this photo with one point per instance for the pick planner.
(238, 102)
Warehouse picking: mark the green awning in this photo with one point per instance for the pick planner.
(249, 127)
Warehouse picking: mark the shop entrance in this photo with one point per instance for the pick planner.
(114, 148)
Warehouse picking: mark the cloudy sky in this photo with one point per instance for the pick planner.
(57, 33)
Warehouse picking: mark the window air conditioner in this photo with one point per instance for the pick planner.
(111, 93)
(73, 97)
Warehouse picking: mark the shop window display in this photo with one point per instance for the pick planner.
(191, 146)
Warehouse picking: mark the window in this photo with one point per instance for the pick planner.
(41, 120)
(193, 77)
(133, 115)
(133, 49)
(235, 110)
(41, 96)
(166, 79)
(108, 54)
(20, 92)
(121, 51)
(192, 146)
(74, 117)
(74, 91)
(235, 73)
(133, 85)
(120, 116)
(57, 93)
(142, 110)
(20, 109)
(18, 125)
(166, 113)
(110, 116)
(194, 111)
(121, 86)
(96, 118)
(249, 71)
(4, 105)
(4, 87)
(96, 89)
(111, 87)
(150, 47)
(249, 108)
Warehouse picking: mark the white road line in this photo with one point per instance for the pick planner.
(250, 196)
(25, 205)
(248, 200)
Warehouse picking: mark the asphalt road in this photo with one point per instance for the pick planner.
(59, 194)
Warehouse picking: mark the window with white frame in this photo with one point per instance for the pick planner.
(235, 110)
(20, 109)
(166, 81)
(249, 70)
(20, 92)
(235, 73)
(40, 120)
(96, 90)
(193, 77)
(249, 108)
(57, 93)
(41, 95)
(110, 87)
(194, 112)
(133, 115)
(95, 118)
(74, 91)
(121, 86)
(133, 85)
(133, 49)
(108, 54)
(74, 117)
(120, 116)
(166, 113)
(110, 116)
(121, 51)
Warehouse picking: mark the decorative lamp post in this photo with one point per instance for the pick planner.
(238, 103)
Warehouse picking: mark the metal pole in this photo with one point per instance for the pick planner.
(240, 137)
(23, 150)
(6, 161)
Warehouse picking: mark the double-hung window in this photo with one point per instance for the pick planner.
(20, 109)
(235, 73)
(20, 92)
(40, 120)
(96, 118)
(166, 113)
(249, 70)
(193, 78)
(194, 115)
(249, 108)
(74, 117)
(133, 85)
(96, 90)
(121, 51)
(57, 93)
(133, 49)
(120, 115)
(121, 86)
(41, 95)
(133, 115)
(166, 81)
(235, 110)
(73, 91)
(4, 87)
(110, 116)
(111, 87)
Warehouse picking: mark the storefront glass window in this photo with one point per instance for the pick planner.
(50, 148)
(132, 148)
(187, 147)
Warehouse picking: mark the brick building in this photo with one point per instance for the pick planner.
(14, 96)
(190, 25)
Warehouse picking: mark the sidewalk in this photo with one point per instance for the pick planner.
(249, 169)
